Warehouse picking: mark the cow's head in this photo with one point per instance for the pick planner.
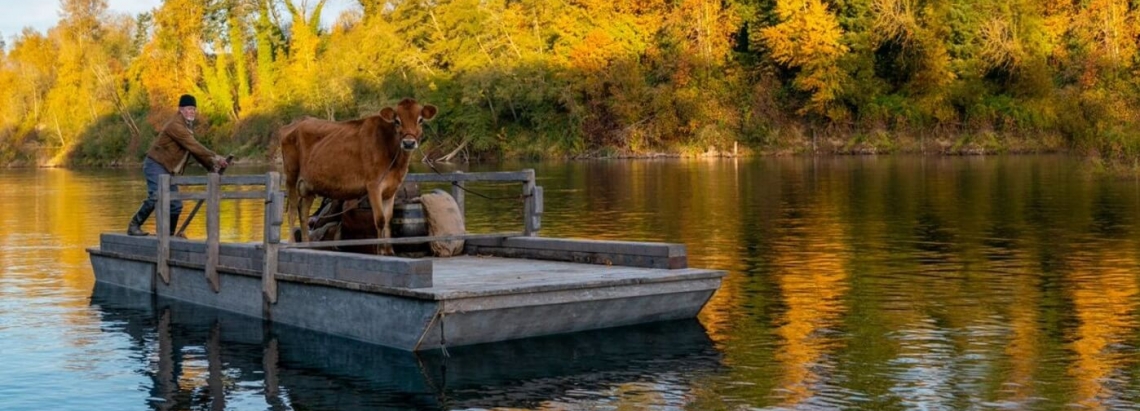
(408, 117)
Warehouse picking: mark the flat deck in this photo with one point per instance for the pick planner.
(477, 276)
(505, 289)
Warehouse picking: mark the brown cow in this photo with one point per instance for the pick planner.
(348, 159)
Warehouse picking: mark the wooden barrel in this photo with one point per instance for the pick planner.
(408, 221)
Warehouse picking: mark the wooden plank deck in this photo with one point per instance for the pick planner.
(476, 276)
(408, 303)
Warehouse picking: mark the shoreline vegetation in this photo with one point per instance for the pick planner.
(587, 79)
(830, 146)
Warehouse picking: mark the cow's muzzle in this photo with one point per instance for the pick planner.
(409, 143)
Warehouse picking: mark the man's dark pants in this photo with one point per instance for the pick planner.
(152, 169)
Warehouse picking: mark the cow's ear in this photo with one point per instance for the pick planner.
(428, 112)
(388, 114)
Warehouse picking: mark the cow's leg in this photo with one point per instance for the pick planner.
(379, 216)
(389, 203)
(303, 210)
(304, 196)
(294, 206)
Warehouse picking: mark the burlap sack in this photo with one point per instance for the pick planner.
(443, 218)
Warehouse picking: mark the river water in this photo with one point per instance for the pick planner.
(886, 283)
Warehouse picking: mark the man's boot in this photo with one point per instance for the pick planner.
(135, 228)
(174, 226)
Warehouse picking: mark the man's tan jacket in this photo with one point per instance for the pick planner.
(176, 143)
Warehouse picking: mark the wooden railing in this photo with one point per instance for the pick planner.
(274, 200)
(531, 193)
(532, 207)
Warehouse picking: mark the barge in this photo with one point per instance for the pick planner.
(504, 286)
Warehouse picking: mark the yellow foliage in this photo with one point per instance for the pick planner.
(594, 52)
(1109, 29)
(172, 60)
(809, 38)
(615, 72)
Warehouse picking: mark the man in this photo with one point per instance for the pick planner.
(168, 155)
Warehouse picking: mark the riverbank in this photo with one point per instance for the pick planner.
(791, 142)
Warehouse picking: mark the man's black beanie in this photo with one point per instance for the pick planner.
(187, 100)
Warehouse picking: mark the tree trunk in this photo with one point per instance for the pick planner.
(447, 158)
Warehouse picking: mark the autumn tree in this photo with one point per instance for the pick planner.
(71, 102)
(300, 82)
(237, 25)
(172, 60)
(32, 63)
(217, 71)
(267, 34)
(807, 38)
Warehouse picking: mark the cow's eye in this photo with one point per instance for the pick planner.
(397, 121)
(421, 120)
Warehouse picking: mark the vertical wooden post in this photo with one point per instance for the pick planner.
(269, 359)
(213, 204)
(274, 204)
(537, 215)
(162, 225)
(165, 379)
(458, 193)
(215, 382)
(528, 205)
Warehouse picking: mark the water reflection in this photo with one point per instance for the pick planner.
(1104, 297)
(812, 280)
(886, 283)
(198, 357)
